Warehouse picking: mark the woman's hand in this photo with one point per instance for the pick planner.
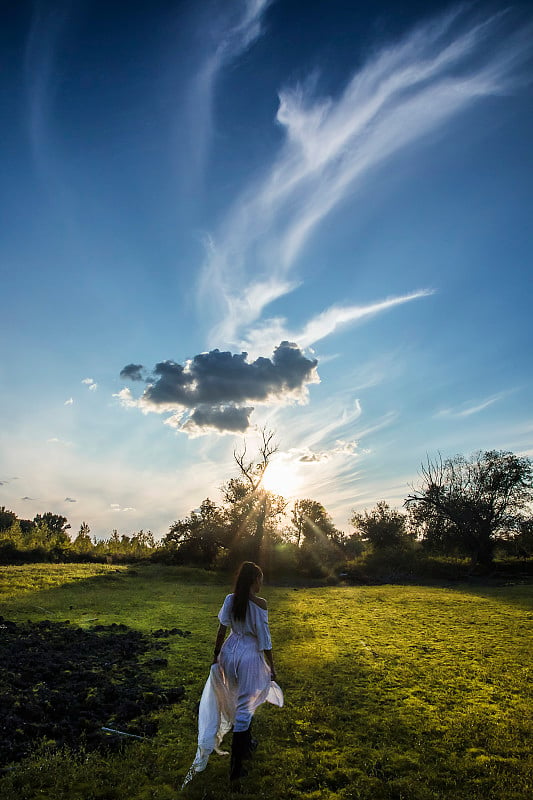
(270, 662)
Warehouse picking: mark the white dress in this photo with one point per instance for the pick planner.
(238, 683)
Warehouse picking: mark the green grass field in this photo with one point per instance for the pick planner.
(393, 692)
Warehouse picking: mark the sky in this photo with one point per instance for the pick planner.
(220, 216)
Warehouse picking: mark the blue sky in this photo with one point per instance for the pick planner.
(341, 191)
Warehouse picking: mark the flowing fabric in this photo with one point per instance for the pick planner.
(237, 684)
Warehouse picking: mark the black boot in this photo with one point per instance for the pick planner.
(239, 749)
(251, 743)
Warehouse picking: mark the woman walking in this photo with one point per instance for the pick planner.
(242, 675)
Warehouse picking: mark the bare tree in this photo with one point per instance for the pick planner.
(252, 473)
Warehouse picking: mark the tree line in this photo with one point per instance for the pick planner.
(463, 507)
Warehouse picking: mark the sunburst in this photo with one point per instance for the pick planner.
(282, 477)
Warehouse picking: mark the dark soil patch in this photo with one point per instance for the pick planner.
(63, 683)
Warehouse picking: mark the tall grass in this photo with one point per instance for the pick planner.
(393, 692)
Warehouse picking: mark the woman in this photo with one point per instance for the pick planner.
(242, 674)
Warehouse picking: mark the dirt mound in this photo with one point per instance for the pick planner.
(63, 683)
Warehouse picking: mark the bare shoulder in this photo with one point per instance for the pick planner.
(259, 601)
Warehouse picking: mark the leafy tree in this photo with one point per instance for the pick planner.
(524, 539)
(83, 542)
(468, 503)
(353, 546)
(381, 527)
(239, 529)
(12, 534)
(26, 525)
(45, 534)
(115, 544)
(39, 536)
(142, 543)
(298, 521)
(56, 524)
(252, 521)
(312, 522)
(7, 518)
(319, 541)
(197, 539)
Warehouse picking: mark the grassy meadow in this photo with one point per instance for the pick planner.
(392, 692)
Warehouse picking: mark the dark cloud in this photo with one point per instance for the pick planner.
(230, 419)
(217, 378)
(311, 458)
(70, 500)
(133, 371)
(217, 386)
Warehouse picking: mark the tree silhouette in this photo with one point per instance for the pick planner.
(7, 518)
(381, 527)
(469, 502)
(259, 504)
(198, 538)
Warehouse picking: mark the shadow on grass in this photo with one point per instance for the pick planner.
(515, 593)
(76, 591)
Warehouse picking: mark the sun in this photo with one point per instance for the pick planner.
(281, 477)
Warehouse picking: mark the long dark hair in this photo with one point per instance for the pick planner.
(248, 574)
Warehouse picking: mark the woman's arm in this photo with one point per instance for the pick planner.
(270, 662)
(219, 641)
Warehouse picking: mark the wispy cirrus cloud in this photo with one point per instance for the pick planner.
(264, 336)
(227, 33)
(240, 33)
(332, 146)
(42, 76)
(469, 409)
